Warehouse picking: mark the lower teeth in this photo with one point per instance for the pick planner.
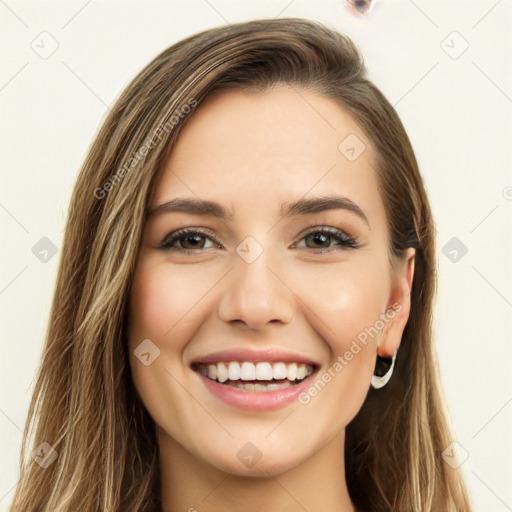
(249, 386)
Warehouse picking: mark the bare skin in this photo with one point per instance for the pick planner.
(312, 296)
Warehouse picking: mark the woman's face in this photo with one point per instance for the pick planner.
(260, 297)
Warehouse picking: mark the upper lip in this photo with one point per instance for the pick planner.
(255, 356)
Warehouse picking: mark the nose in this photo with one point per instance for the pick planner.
(256, 294)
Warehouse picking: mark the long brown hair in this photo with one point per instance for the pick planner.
(85, 405)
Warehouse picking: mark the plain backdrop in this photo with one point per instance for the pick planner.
(444, 65)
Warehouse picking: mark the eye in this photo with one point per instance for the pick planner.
(326, 235)
(190, 236)
(190, 240)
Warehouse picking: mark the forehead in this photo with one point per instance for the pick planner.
(244, 148)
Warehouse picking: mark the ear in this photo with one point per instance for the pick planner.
(399, 305)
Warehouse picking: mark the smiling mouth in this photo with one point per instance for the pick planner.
(261, 376)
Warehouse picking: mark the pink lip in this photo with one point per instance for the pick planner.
(255, 356)
(256, 400)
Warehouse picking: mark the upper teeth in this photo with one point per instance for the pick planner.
(260, 371)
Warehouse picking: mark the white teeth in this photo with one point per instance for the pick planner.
(212, 371)
(248, 371)
(246, 386)
(222, 372)
(264, 371)
(291, 371)
(279, 371)
(236, 372)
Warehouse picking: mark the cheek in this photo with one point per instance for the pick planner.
(164, 302)
(346, 298)
(166, 308)
(349, 300)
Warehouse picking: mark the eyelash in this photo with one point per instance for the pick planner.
(345, 241)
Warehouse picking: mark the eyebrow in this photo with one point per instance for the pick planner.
(300, 207)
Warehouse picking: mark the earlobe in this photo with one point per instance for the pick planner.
(399, 306)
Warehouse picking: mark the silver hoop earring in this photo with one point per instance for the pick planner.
(383, 371)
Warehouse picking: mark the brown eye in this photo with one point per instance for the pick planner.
(322, 238)
(186, 240)
(318, 239)
(196, 241)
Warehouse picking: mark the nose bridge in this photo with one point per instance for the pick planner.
(255, 293)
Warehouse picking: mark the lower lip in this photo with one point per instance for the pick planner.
(256, 400)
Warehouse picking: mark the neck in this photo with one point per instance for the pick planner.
(190, 484)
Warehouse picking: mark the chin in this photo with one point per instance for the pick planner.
(249, 461)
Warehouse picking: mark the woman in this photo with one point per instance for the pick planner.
(204, 352)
